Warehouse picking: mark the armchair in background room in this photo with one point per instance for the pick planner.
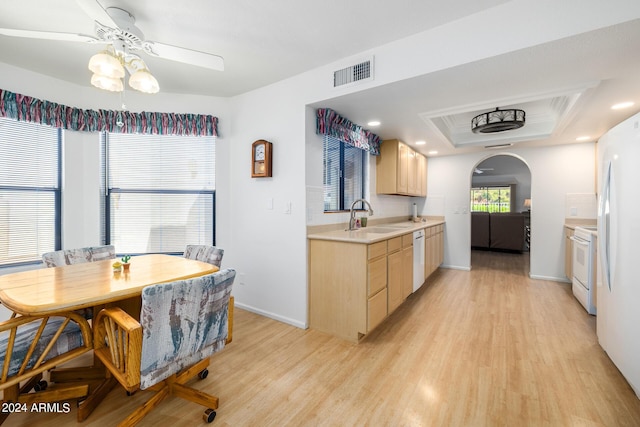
(181, 325)
(31, 345)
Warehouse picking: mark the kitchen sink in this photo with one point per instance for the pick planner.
(379, 230)
(400, 225)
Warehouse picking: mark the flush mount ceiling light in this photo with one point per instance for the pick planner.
(498, 121)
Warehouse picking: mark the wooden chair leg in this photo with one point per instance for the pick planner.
(143, 410)
(86, 407)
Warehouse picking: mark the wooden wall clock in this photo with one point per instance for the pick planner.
(261, 157)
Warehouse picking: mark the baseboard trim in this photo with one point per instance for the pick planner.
(549, 278)
(456, 267)
(283, 319)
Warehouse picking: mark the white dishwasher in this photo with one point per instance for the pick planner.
(418, 259)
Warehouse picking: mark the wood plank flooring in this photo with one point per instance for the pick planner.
(489, 347)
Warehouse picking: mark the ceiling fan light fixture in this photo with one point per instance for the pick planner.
(498, 121)
(107, 83)
(106, 64)
(143, 81)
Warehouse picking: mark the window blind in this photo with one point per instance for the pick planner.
(29, 191)
(343, 174)
(159, 192)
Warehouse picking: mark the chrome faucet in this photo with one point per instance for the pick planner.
(352, 217)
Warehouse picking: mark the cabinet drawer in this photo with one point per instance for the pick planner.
(377, 249)
(376, 309)
(394, 244)
(407, 240)
(377, 276)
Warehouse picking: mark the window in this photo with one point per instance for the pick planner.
(344, 175)
(159, 192)
(29, 191)
(491, 199)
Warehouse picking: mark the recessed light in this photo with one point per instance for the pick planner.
(583, 138)
(433, 152)
(421, 142)
(373, 123)
(622, 105)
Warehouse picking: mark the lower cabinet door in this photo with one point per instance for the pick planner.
(376, 309)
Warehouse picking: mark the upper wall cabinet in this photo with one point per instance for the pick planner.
(400, 170)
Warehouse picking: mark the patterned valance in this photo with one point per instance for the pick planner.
(27, 109)
(331, 123)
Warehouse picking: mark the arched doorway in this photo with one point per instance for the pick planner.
(500, 201)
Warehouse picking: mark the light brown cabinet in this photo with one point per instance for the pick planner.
(400, 170)
(353, 287)
(434, 245)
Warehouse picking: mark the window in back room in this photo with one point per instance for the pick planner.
(491, 199)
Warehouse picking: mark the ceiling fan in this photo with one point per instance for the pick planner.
(116, 28)
(481, 170)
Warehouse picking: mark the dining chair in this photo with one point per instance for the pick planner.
(212, 255)
(78, 256)
(181, 325)
(204, 253)
(31, 345)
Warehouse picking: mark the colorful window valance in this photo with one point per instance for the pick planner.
(331, 123)
(27, 109)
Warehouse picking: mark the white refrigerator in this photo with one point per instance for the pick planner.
(618, 290)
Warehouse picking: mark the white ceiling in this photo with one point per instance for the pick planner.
(566, 87)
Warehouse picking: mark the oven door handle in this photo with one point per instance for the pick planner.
(579, 241)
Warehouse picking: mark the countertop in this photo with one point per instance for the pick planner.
(374, 233)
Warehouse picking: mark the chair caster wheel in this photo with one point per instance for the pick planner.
(209, 415)
(41, 385)
(203, 374)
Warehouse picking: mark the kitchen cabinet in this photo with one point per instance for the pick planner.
(395, 265)
(434, 254)
(400, 170)
(353, 287)
(422, 175)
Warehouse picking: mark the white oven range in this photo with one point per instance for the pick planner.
(584, 259)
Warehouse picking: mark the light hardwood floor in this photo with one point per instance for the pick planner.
(488, 347)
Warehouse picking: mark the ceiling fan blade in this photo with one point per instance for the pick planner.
(97, 12)
(188, 56)
(48, 35)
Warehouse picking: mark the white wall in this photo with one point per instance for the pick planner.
(555, 171)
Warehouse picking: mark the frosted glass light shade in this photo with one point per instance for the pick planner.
(104, 63)
(107, 83)
(143, 81)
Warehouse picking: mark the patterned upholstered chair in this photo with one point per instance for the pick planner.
(31, 345)
(211, 255)
(181, 324)
(78, 256)
(204, 253)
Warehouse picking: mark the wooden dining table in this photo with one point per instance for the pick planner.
(48, 291)
(91, 284)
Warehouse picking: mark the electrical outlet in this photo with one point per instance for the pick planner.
(287, 208)
(574, 211)
(241, 279)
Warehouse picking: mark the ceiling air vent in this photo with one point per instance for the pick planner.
(360, 72)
